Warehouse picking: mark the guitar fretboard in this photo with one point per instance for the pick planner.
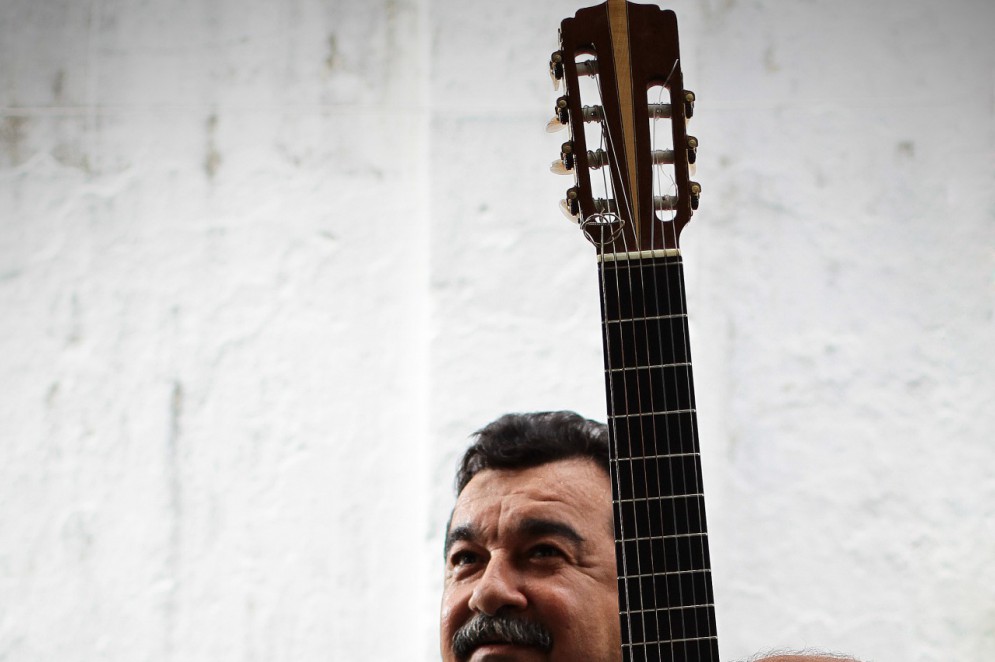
(661, 542)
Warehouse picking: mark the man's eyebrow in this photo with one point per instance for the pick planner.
(535, 527)
(461, 532)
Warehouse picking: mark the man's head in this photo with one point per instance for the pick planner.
(530, 558)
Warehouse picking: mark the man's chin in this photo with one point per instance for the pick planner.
(506, 653)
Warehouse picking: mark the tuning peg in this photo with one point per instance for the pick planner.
(559, 168)
(565, 208)
(695, 194)
(688, 104)
(554, 126)
(561, 110)
(561, 116)
(571, 204)
(556, 68)
(567, 155)
(692, 149)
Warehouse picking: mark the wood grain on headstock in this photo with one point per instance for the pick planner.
(636, 47)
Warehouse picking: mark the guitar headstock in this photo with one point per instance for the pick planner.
(627, 110)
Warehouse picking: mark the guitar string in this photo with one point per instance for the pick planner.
(612, 145)
(696, 465)
(653, 437)
(658, 180)
(677, 114)
(613, 419)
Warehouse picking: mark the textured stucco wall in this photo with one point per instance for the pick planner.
(263, 267)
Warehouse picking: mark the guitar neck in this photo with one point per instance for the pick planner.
(661, 542)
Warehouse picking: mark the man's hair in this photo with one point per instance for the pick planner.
(521, 441)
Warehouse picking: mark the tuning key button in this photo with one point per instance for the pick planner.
(692, 149)
(695, 194)
(554, 126)
(558, 168)
(688, 104)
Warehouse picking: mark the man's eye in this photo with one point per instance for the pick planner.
(463, 558)
(545, 552)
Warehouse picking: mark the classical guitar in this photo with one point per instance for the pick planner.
(631, 158)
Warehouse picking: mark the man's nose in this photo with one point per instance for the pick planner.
(498, 588)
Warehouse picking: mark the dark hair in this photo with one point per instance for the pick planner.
(520, 441)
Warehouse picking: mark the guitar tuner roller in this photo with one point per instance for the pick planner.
(587, 68)
(688, 104)
(597, 158)
(594, 114)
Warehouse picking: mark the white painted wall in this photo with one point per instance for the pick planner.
(263, 267)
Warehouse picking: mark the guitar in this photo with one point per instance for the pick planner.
(626, 108)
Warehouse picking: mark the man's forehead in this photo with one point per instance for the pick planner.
(572, 489)
(570, 480)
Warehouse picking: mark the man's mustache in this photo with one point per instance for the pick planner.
(483, 629)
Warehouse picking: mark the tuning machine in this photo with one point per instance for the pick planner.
(570, 205)
(695, 194)
(567, 160)
(692, 149)
(561, 115)
(556, 68)
(567, 156)
(688, 104)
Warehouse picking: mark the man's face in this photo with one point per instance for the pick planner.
(535, 545)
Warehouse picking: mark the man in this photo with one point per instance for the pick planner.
(530, 556)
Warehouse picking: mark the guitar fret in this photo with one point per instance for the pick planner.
(683, 364)
(642, 644)
(674, 536)
(666, 456)
(650, 318)
(625, 612)
(654, 413)
(658, 573)
(665, 497)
